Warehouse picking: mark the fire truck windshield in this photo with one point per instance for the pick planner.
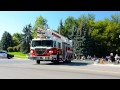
(46, 43)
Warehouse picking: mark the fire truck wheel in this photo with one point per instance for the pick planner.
(67, 61)
(52, 61)
(56, 61)
(38, 61)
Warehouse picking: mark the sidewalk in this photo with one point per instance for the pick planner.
(113, 65)
(105, 63)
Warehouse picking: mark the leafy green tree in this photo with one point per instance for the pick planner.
(90, 37)
(69, 24)
(115, 18)
(106, 34)
(56, 31)
(41, 23)
(17, 38)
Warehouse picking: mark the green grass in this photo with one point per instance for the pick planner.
(18, 54)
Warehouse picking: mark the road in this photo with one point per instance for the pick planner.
(27, 69)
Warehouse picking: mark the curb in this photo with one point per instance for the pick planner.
(20, 58)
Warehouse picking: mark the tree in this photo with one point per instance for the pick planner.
(0, 45)
(90, 37)
(79, 30)
(82, 42)
(106, 34)
(6, 41)
(91, 17)
(56, 31)
(61, 28)
(41, 23)
(115, 18)
(69, 24)
(17, 38)
(26, 39)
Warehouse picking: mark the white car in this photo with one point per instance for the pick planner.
(4, 54)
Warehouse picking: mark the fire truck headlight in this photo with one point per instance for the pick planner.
(50, 51)
(31, 51)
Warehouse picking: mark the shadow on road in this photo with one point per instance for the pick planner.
(67, 64)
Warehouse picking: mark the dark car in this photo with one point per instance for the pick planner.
(5, 54)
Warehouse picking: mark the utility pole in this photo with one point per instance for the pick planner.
(59, 31)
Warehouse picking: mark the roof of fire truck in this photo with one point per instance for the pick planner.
(49, 34)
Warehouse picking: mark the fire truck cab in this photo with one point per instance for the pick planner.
(50, 46)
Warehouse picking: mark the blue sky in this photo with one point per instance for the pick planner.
(14, 21)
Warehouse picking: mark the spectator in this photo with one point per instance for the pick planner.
(109, 59)
(106, 58)
(102, 61)
(112, 58)
(116, 57)
(94, 58)
(88, 57)
(97, 61)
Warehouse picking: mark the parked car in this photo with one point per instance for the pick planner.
(5, 54)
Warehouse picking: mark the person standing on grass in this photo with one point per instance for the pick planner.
(102, 61)
(112, 57)
(116, 57)
(109, 59)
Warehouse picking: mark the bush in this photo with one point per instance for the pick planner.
(15, 49)
(18, 48)
(10, 49)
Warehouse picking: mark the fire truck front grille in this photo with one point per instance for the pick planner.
(40, 50)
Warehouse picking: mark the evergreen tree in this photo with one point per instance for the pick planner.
(6, 41)
(61, 28)
(0, 45)
(26, 39)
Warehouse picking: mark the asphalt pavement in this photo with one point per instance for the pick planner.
(28, 69)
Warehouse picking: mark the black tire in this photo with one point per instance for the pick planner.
(52, 61)
(37, 61)
(67, 61)
(56, 62)
(9, 57)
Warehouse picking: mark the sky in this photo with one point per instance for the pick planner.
(15, 21)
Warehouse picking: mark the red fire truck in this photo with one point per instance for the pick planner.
(50, 46)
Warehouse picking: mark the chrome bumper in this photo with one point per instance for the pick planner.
(42, 58)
